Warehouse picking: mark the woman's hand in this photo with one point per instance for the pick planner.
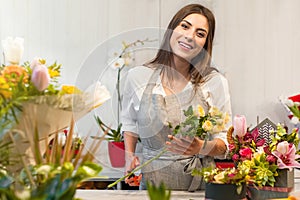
(184, 145)
(133, 180)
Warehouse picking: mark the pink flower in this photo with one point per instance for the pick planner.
(40, 77)
(231, 147)
(240, 125)
(286, 155)
(271, 158)
(235, 157)
(283, 147)
(246, 153)
(35, 62)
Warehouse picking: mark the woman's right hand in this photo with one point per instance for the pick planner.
(133, 180)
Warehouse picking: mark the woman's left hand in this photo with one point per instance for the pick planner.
(184, 145)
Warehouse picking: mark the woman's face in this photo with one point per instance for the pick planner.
(189, 36)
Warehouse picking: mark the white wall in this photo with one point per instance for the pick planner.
(257, 42)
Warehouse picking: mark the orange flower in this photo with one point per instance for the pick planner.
(13, 74)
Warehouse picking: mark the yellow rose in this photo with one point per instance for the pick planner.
(218, 128)
(207, 125)
(214, 111)
(226, 118)
(201, 112)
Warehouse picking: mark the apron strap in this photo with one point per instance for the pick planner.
(194, 163)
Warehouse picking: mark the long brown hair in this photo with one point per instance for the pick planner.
(200, 66)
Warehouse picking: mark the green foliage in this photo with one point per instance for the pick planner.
(280, 135)
(114, 135)
(159, 192)
(260, 171)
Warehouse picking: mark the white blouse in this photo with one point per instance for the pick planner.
(215, 91)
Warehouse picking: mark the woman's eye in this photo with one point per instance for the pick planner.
(201, 35)
(184, 26)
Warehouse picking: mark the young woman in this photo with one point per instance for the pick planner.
(156, 94)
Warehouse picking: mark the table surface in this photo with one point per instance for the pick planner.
(142, 194)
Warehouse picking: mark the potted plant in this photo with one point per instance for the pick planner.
(116, 147)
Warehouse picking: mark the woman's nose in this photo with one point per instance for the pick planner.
(189, 36)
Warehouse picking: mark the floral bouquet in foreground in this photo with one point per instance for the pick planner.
(260, 160)
(34, 86)
(53, 175)
(201, 124)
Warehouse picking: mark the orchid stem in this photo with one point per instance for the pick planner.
(138, 168)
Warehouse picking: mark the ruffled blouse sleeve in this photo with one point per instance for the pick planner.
(216, 94)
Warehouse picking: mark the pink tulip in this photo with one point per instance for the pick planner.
(35, 62)
(40, 77)
(240, 125)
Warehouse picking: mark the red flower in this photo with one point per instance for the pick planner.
(271, 159)
(246, 153)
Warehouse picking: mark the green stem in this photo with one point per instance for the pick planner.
(138, 168)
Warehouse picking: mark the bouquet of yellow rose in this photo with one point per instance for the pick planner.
(201, 124)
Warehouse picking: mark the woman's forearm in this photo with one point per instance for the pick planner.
(130, 140)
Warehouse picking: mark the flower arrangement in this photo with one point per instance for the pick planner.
(261, 160)
(200, 124)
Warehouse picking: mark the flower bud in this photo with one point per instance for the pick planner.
(240, 125)
(13, 49)
(283, 147)
(40, 77)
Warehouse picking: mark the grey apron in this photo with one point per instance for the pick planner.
(155, 112)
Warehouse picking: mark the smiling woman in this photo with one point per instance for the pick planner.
(157, 93)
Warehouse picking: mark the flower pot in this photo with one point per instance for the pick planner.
(215, 191)
(116, 152)
(283, 186)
